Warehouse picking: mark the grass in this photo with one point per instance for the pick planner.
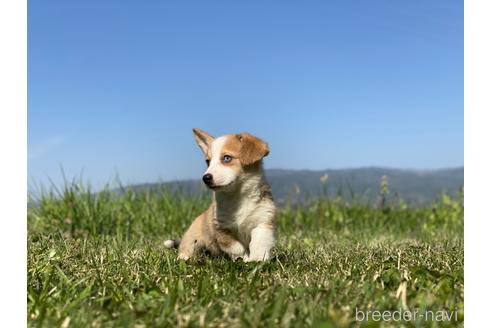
(98, 260)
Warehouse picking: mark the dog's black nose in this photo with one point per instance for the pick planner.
(208, 178)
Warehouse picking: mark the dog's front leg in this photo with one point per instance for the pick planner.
(234, 250)
(262, 241)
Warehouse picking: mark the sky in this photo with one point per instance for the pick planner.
(115, 87)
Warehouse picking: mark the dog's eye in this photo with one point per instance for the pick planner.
(208, 162)
(227, 158)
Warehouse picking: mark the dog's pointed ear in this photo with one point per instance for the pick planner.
(253, 149)
(203, 139)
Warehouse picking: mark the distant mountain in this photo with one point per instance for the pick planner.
(414, 186)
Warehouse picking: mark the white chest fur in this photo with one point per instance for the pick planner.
(243, 211)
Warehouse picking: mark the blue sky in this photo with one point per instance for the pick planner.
(116, 86)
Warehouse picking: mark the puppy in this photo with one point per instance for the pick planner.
(240, 220)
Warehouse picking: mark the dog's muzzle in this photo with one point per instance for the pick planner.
(208, 179)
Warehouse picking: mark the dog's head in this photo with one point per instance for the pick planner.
(228, 157)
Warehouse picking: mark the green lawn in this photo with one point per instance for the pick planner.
(99, 260)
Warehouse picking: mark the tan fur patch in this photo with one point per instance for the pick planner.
(253, 149)
(247, 148)
(204, 140)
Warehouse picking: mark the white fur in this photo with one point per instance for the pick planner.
(235, 250)
(183, 257)
(169, 243)
(244, 212)
(262, 241)
(222, 174)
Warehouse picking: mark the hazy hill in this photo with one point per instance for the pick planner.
(414, 186)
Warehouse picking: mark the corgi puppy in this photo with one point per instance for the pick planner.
(240, 220)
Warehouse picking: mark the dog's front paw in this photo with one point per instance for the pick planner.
(184, 257)
(256, 258)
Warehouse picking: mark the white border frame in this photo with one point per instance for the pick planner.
(13, 164)
(478, 168)
(13, 170)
